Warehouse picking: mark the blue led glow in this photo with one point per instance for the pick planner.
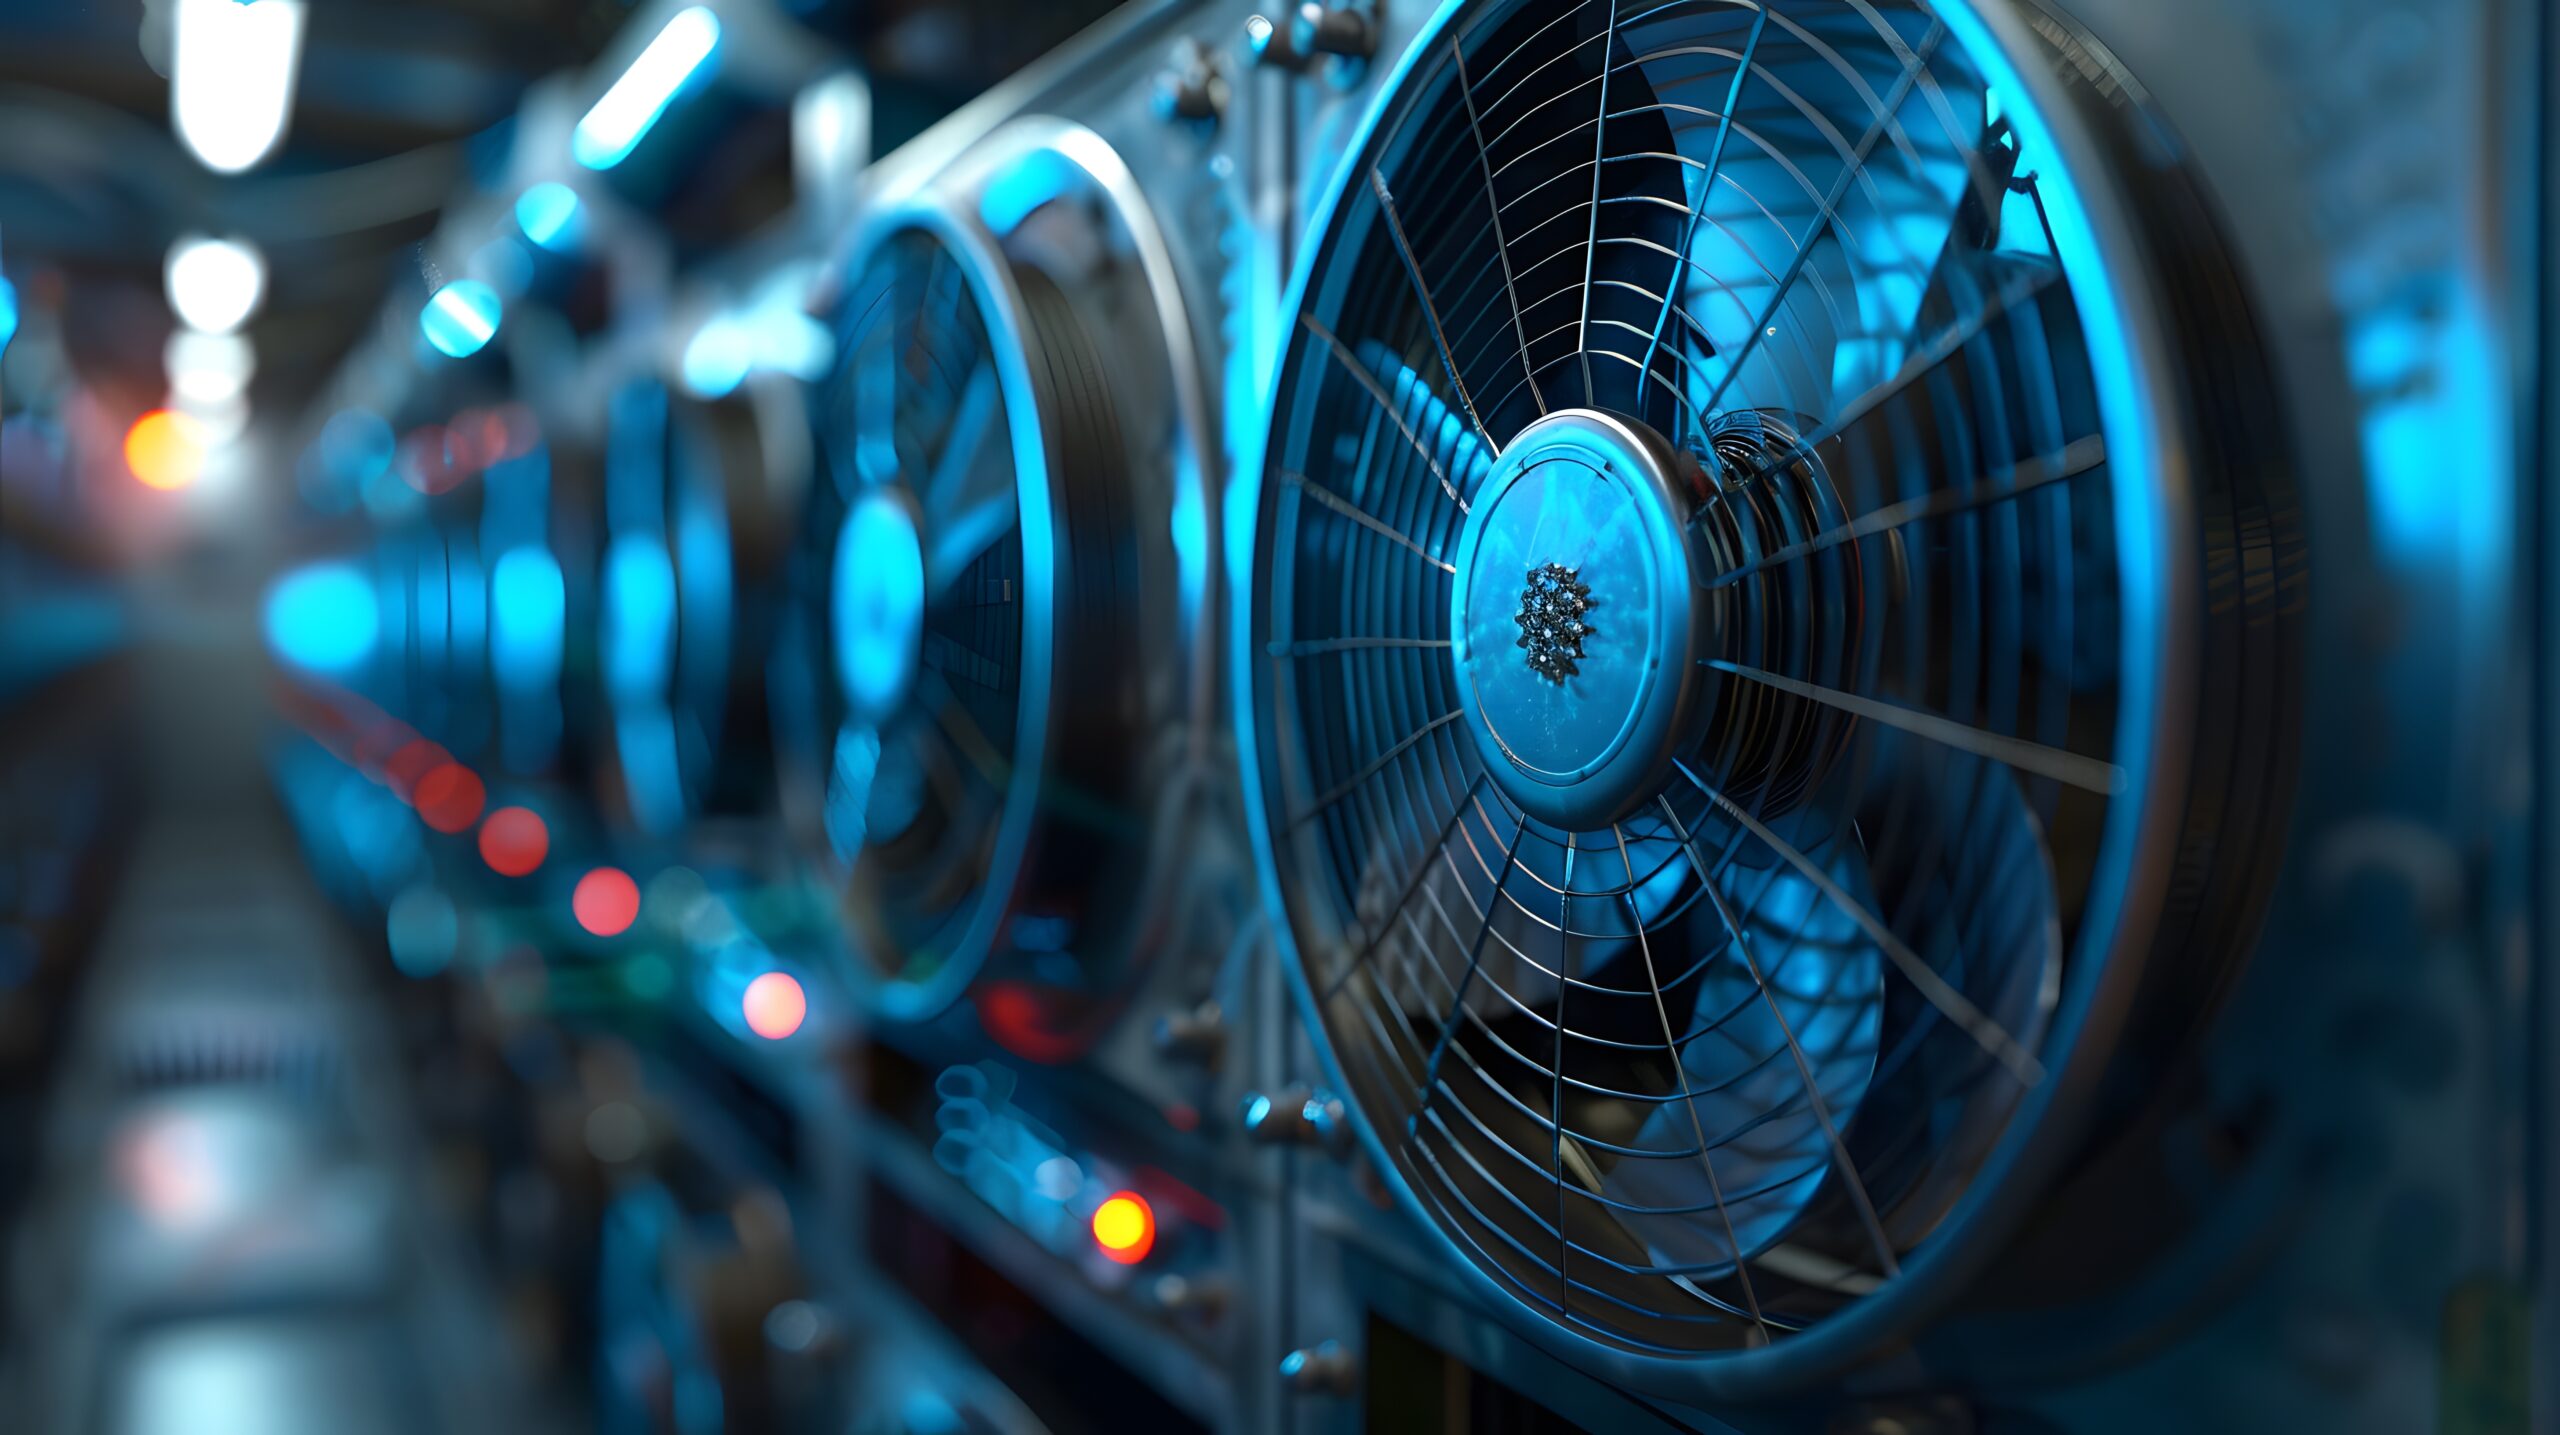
(1188, 523)
(639, 618)
(323, 618)
(1011, 196)
(607, 134)
(551, 216)
(877, 603)
(8, 312)
(768, 336)
(461, 318)
(716, 359)
(781, 337)
(527, 609)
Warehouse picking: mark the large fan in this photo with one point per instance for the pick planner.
(1747, 677)
(666, 606)
(997, 628)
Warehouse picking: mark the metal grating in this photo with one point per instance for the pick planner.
(1712, 1060)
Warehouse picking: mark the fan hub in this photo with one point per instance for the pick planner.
(876, 603)
(1575, 617)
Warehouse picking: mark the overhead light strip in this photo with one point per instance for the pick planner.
(607, 134)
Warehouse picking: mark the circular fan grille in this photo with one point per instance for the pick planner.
(665, 610)
(925, 586)
(1702, 659)
(995, 693)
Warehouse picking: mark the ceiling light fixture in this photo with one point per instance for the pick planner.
(231, 80)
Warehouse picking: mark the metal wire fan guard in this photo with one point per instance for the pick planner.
(1756, 684)
(989, 628)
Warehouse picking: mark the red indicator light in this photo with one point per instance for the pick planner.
(449, 798)
(514, 841)
(775, 1006)
(409, 766)
(1125, 1227)
(607, 901)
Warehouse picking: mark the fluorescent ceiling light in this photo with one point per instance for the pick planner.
(231, 78)
(218, 421)
(214, 284)
(608, 132)
(830, 133)
(208, 369)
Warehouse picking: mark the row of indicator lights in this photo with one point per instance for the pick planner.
(166, 448)
(515, 841)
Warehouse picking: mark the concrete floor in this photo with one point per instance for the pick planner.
(231, 1232)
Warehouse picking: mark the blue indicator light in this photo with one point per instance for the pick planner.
(461, 318)
(549, 214)
(323, 618)
(527, 608)
(639, 618)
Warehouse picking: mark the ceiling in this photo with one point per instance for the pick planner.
(392, 103)
(398, 106)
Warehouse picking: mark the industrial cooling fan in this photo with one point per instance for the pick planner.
(1768, 663)
(995, 667)
(667, 608)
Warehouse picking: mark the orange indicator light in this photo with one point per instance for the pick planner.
(1125, 1227)
(775, 1005)
(165, 449)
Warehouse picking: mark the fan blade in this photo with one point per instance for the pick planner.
(849, 781)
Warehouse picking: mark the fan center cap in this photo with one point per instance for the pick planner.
(876, 603)
(1574, 617)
